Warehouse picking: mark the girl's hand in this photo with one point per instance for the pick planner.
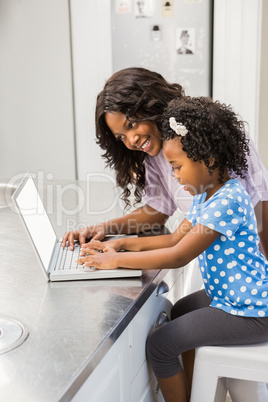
(100, 246)
(105, 260)
(95, 231)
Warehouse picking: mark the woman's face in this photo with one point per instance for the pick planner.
(144, 137)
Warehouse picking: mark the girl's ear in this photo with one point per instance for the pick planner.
(212, 162)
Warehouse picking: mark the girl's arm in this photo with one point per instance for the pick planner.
(189, 247)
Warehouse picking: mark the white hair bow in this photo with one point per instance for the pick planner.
(179, 128)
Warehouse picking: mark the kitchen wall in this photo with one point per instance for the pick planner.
(263, 104)
(240, 63)
(92, 66)
(36, 97)
(56, 57)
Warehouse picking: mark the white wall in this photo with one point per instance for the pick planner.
(263, 103)
(55, 58)
(37, 41)
(92, 66)
(236, 57)
(36, 102)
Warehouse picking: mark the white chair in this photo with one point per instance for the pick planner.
(215, 363)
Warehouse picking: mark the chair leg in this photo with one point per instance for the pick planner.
(206, 386)
(221, 391)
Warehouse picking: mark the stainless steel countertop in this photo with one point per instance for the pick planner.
(71, 324)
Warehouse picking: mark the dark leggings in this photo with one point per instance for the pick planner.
(194, 324)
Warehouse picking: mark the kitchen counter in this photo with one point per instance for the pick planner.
(71, 325)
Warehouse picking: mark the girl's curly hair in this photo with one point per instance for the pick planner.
(216, 135)
(141, 95)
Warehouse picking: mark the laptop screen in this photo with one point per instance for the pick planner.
(36, 219)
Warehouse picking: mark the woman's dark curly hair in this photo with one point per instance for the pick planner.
(141, 95)
(216, 135)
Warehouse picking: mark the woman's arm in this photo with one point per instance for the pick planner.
(141, 220)
(141, 243)
(189, 247)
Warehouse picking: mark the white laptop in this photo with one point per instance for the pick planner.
(59, 264)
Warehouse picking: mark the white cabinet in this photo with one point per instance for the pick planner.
(144, 387)
(109, 382)
(140, 327)
(123, 374)
(143, 382)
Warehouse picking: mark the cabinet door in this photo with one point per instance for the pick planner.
(144, 388)
(152, 314)
(140, 327)
(110, 381)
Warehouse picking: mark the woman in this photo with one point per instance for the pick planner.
(128, 128)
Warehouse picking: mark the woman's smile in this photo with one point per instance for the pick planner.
(146, 145)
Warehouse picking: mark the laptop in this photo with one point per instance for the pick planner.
(59, 263)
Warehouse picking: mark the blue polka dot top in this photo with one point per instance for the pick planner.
(234, 271)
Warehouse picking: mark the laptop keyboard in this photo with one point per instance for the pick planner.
(69, 258)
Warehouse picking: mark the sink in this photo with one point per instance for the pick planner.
(6, 191)
(12, 334)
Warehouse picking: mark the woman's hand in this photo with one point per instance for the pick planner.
(99, 260)
(97, 232)
(100, 246)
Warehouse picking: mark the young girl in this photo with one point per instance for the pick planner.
(129, 113)
(203, 142)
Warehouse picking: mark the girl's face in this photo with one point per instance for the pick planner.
(143, 137)
(194, 176)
